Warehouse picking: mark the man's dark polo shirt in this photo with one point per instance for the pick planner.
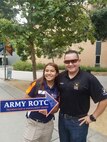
(75, 93)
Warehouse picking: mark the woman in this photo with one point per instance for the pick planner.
(39, 128)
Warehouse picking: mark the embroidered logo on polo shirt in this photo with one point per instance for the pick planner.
(76, 86)
(54, 95)
(61, 83)
(104, 92)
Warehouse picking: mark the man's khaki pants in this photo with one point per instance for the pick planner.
(37, 131)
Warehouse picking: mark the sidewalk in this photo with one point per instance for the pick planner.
(12, 124)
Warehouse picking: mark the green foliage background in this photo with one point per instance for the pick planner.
(26, 66)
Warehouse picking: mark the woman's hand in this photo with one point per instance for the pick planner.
(44, 112)
(55, 109)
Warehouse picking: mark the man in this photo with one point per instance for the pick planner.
(76, 87)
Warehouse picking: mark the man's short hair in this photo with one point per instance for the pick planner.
(72, 51)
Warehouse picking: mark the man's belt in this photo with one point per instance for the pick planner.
(66, 116)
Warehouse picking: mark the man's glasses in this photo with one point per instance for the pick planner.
(71, 61)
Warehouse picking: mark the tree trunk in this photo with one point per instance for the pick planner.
(33, 59)
(52, 59)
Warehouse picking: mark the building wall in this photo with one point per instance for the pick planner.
(88, 55)
(104, 54)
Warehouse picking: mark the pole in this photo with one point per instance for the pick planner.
(4, 62)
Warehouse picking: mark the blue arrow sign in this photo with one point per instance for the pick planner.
(47, 103)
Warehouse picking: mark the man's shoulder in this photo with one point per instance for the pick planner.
(88, 75)
(85, 73)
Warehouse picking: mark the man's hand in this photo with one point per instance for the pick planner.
(85, 120)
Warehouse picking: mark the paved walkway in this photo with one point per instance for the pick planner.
(12, 124)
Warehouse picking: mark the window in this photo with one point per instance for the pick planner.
(98, 47)
(98, 53)
(97, 63)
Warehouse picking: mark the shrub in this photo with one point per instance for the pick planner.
(26, 66)
(94, 69)
(22, 66)
(40, 66)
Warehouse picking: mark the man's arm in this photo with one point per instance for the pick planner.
(98, 111)
(100, 108)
